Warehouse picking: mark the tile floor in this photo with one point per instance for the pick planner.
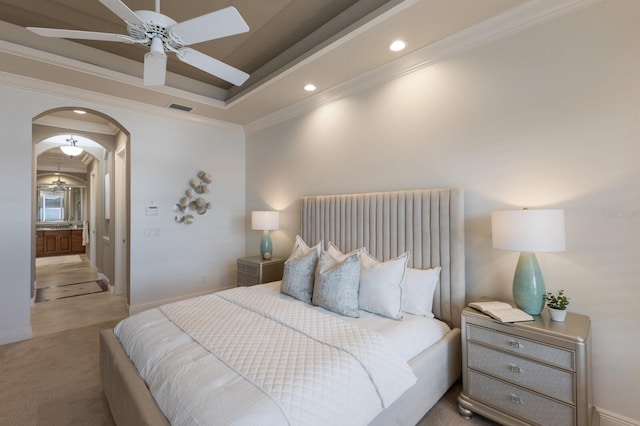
(72, 312)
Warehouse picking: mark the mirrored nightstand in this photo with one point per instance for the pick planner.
(256, 270)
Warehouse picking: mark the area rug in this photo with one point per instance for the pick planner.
(70, 290)
(58, 260)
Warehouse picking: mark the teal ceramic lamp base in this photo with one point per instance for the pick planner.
(528, 285)
(266, 248)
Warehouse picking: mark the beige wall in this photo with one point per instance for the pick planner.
(549, 117)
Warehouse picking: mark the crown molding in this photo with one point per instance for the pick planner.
(186, 88)
(520, 18)
(41, 56)
(88, 99)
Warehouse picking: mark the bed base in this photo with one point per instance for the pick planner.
(131, 402)
(437, 369)
(129, 398)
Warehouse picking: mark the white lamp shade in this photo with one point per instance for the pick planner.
(265, 220)
(528, 230)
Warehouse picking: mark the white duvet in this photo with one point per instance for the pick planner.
(250, 356)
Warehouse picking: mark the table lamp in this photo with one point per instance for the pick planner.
(265, 221)
(528, 231)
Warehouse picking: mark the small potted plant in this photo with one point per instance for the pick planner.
(557, 304)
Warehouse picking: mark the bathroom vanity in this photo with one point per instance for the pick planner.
(54, 242)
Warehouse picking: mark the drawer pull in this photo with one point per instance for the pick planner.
(516, 344)
(516, 399)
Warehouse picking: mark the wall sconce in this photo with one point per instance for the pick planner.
(265, 221)
(528, 231)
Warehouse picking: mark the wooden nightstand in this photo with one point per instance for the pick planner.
(255, 270)
(535, 372)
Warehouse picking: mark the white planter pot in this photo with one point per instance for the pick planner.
(557, 314)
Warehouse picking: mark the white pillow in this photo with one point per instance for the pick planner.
(335, 252)
(380, 285)
(419, 287)
(301, 248)
(336, 284)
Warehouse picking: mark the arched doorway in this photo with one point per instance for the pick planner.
(105, 146)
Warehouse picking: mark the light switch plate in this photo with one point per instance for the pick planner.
(151, 232)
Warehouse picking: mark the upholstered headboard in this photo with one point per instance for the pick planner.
(428, 223)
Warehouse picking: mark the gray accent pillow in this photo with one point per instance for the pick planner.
(298, 275)
(337, 282)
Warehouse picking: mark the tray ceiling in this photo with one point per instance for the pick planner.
(290, 43)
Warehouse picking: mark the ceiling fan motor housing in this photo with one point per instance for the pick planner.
(156, 27)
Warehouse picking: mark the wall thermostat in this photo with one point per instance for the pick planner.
(152, 210)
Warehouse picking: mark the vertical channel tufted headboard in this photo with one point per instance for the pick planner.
(428, 223)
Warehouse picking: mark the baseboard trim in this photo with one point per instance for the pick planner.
(607, 418)
(134, 309)
(16, 336)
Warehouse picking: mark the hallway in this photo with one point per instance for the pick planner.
(75, 296)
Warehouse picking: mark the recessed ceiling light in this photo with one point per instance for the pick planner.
(79, 111)
(309, 87)
(397, 46)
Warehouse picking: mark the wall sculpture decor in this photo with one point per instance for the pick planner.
(192, 202)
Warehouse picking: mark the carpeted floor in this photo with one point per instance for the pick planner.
(54, 380)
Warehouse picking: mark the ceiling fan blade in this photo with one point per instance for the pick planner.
(155, 68)
(123, 11)
(84, 35)
(221, 23)
(212, 66)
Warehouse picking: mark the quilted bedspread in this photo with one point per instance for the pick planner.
(316, 368)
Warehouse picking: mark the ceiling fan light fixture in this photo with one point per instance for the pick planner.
(157, 46)
(71, 150)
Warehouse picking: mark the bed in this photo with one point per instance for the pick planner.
(424, 226)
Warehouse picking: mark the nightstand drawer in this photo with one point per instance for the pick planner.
(518, 345)
(520, 402)
(256, 270)
(550, 381)
(253, 270)
(244, 279)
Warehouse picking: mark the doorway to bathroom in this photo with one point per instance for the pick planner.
(75, 268)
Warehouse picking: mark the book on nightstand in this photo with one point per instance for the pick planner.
(501, 311)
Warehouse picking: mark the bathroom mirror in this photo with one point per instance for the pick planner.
(61, 204)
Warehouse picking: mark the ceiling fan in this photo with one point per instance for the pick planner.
(162, 34)
(57, 185)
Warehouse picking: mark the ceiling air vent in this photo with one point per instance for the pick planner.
(180, 107)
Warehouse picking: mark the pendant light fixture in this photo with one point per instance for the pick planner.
(71, 150)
